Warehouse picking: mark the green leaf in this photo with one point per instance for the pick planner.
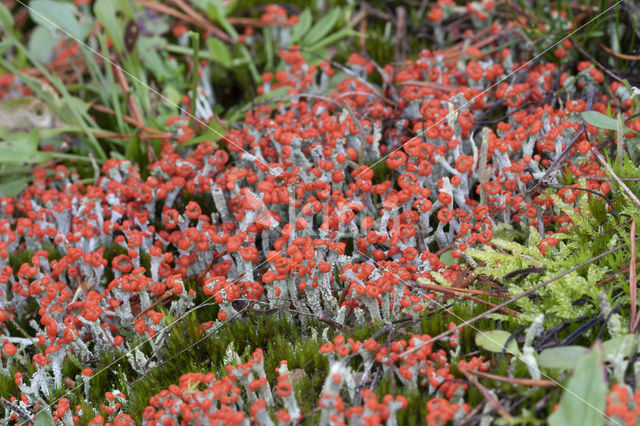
(219, 51)
(302, 26)
(23, 150)
(446, 258)
(213, 133)
(147, 50)
(41, 43)
(54, 14)
(217, 12)
(322, 27)
(14, 188)
(44, 418)
(132, 150)
(6, 20)
(105, 11)
(153, 24)
(627, 85)
(215, 8)
(173, 95)
(561, 357)
(4, 46)
(621, 343)
(599, 120)
(583, 400)
(494, 340)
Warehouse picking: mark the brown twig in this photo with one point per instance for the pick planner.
(495, 404)
(16, 409)
(514, 380)
(137, 116)
(188, 15)
(204, 23)
(454, 51)
(57, 67)
(163, 8)
(255, 22)
(167, 294)
(471, 291)
(217, 256)
(435, 86)
(443, 250)
(133, 105)
(335, 324)
(457, 293)
(156, 134)
(592, 59)
(619, 55)
(612, 277)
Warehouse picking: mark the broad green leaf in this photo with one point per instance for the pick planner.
(14, 188)
(23, 150)
(322, 27)
(599, 120)
(494, 341)
(583, 400)
(41, 43)
(44, 418)
(446, 258)
(560, 357)
(219, 51)
(302, 26)
(55, 14)
(173, 95)
(620, 343)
